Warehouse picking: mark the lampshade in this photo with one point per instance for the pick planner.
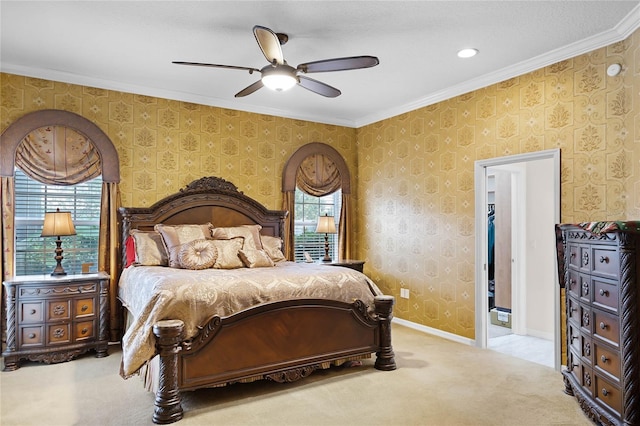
(280, 78)
(57, 224)
(326, 225)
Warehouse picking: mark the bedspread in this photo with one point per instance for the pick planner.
(154, 293)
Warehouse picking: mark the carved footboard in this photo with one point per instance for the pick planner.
(281, 341)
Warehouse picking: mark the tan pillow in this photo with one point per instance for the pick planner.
(228, 253)
(255, 258)
(173, 236)
(198, 254)
(150, 250)
(250, 233)
(273, 247)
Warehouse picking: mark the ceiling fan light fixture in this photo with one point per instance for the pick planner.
(279, 78)
(467, 53)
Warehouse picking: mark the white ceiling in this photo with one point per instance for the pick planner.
(129, 46)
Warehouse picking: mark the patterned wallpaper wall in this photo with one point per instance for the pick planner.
(416, 173)
(163, 145)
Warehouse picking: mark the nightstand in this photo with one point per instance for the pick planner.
(54, 319)
(358, 265)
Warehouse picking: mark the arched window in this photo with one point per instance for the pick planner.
(318, 173)
(89, 154)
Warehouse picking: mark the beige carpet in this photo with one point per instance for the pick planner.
(438, 382)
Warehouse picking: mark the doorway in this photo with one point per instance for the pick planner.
(531, 306)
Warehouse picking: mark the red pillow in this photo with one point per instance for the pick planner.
(130, 250)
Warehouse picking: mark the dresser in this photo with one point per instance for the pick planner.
(54, 319)
(600, 273)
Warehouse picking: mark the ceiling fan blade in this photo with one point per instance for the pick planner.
(249, 89)
(269, 44)
(198, 64)
(339, 64)
(318, 87)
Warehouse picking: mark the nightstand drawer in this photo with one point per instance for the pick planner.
(84, 307)
(608, 393)
(58, 310)
(31, 312)
(58, 333)
(31, 336)
(84, 330)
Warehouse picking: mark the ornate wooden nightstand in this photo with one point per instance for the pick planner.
(358, 265)
(54, 319)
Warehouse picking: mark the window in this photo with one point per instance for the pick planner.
(36, 254)
(307, 210)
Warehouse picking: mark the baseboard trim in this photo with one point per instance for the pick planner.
(435, 332)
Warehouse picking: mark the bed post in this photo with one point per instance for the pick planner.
(168, 402)
(384, 310)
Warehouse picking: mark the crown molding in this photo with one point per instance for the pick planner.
(620, 32)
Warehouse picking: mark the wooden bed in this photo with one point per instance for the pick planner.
(230, 349)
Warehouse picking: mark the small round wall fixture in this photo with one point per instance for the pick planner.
(614, 69)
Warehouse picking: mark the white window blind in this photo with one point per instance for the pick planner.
(35, 254)
(307, 210)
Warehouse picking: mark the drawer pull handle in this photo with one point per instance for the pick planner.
(574, 338)
(572, 282)
(603, 326)
(32, 312)
(604, 292)
(573, 309)
(32, 335)
(605, 392)
(84, 330)
(604, 358)
(84, 308)
(604, 259)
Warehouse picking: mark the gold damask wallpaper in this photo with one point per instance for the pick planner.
(413, 174)
(416, 173)
(164, 145)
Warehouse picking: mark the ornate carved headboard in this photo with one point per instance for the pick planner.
(208, 199)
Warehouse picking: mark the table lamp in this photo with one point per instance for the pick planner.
(326, 225)
(58, 224)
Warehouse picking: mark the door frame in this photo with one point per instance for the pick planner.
(481, 287)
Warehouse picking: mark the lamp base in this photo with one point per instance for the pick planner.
(59, 270)
(327, 259)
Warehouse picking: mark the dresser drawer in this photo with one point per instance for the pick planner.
(605, 294)
(30, 312)
(573, 311)
(607, 360)
(31, 336)
(84, 330)
(574, 256)
(606, 327)
(58, 333)
(608, 394)
(580, 286)
(84, 307)
(58, 310)
(605, 261)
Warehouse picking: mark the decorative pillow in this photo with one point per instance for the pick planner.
(250, 233)
(273, 247)
(255, 258)
(149, 248)
(198, 254)
(228, 253)
(173, 236)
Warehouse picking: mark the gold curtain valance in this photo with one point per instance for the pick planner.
(318, 176)
(58, 155)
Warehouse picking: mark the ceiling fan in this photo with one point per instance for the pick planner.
(279, 76)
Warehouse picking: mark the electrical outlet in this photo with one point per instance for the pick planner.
(404, 293)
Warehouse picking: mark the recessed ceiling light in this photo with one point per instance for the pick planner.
(467, 53)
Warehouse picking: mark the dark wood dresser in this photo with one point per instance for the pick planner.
(54, 319)
(599, 269)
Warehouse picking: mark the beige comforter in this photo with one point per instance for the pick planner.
(154, 293)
